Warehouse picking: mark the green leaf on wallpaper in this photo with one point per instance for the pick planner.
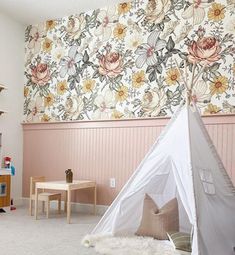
(149, 69)
(204, 77)
(175, 51)
(161, 26)
(215, 67)
(170, 44)
(159, 69)
(140, 113)
(118, 78)
(136, 102)
(190, 67)
(162, 113)
(179, 5)
(91, 20)
(183, 55)
(152, 76)
(96, 74)
(175, 102)
(166, 19)
(214, 74)
(77, 79)
(102, 78)
(85, 100)
(169, 93)
(85, 57)
(181, 64)
(72, 85)
(27, 33)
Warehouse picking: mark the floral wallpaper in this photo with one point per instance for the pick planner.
(121, 61)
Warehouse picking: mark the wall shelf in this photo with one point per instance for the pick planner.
(2, 111)
(5, 171)
(2, 87)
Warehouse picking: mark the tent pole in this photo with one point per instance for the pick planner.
(192, 175)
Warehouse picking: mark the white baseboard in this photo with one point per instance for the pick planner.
(76, 207)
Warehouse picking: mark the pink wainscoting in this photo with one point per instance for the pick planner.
(99, 150)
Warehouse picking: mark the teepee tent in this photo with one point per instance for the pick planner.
(182, 163)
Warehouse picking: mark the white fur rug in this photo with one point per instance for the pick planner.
(129, 246)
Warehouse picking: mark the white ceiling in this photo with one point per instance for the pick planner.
(35, 11)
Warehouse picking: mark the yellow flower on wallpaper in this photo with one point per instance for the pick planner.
(50, 24)
(124, 8)
(219, 85)
(88, 85)
(216, 12)
(172, 76)
(26, 91)
(47, 45)
(62, 87)
(116, 115)
(45, 118)
(211, 109)
(138, 79)
(122, 93)
(49, 100)
(119, 31)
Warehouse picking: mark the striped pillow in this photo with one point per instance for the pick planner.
(180, 240)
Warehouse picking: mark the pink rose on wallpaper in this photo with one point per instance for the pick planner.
(40, 74)
(205, 50)
(111, 64)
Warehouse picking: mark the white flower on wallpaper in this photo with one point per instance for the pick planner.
(146, 51)
(36, 37)
(36, 110)
(73, 107)
(68, 63)
(196, 11)
(106, 19)
(153, 101)
(201, 93)
(156, 10)
(169, 28)
(104, 105)
(119, 62)
(75, 26)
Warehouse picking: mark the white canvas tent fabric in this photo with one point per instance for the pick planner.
(182, 163)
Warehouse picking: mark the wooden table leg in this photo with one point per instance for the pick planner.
(65, 202)
(69, 206)
(43, 206)
(36, 204)
(48, 208)
(95, 197)
(30, 207)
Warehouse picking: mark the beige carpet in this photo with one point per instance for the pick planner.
(20, 234)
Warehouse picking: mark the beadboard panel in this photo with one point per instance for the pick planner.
(100, 150)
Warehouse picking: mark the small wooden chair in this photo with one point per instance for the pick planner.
(43, 196)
